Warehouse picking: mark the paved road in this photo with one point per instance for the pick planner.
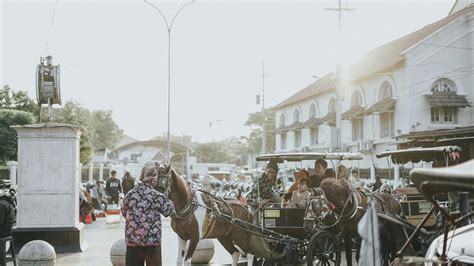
(101, 236)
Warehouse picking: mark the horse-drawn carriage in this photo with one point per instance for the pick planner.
(454, 246)
(414, 205)
(313, 245)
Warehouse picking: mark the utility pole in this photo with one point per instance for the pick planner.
(264, 116)
(339, 93)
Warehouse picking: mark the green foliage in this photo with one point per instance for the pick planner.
(8, 138)
(106, 131)
(255, 121)
(20, 100)
(100, 130)
(212, 152)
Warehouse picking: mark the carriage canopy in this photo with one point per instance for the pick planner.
(421, 154)
(296, 157)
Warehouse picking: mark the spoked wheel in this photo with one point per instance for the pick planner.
(323, 249)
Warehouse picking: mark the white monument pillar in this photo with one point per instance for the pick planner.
(101, 171)
(91, 172)
(48, 186)
(12, 169)
(372, 173)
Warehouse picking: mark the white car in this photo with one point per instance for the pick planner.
(461, 247)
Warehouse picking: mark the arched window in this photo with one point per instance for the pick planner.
(443, 114)
(312, 111)
(443, 85)
(282, 120)
(296, 116)
(356, 99)
(385, 91)
(387, 118)
(357, 123)
(332, 105)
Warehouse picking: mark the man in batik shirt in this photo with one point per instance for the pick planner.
(263, 187)
(141, 208)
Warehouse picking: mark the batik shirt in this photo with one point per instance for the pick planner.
(262, 185)
(141, 208)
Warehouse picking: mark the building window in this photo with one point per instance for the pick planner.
(283, 141)
(387, 125)
(134, 157)
(296, 116)
(357, 129)
(444, 115)
(385, 91)
(387, 118)
(312, 111)
(332, 105)
(356, 99)
(297, 138)
(314, 136)
(282, 120)
(443, 85)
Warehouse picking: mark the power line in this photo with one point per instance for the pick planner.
(53, 16)
(447, 46)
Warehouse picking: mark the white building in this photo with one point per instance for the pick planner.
(415, 91)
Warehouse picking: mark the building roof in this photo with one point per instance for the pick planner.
(380, 59)
(322, 85)
(126, 140)
(391, 54)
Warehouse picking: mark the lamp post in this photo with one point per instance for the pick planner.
(169, 27)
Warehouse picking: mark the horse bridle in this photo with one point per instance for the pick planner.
(164, 181)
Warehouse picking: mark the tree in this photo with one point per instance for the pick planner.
(8, 137)
(106, 131)
(255, 121)
(74, 113)
(20, 100)
(212, 152)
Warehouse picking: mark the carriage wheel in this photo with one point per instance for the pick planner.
(323, 249)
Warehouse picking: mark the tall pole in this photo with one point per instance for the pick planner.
(339, 94)
(264, 120)
(169, 27)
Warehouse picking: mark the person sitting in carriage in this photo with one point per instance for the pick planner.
(298, 175)
(300, 197)
(321, 172)
(262, 191)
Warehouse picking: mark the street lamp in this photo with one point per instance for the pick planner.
(169, 26)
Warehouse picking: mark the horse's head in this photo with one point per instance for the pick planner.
(318, 211)
(163, 176)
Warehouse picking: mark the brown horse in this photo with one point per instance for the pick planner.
(346, 206)
(196, 219)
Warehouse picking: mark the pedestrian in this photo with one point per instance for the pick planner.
(99, 197)
(128, 183)
(113, 187)
(7, 218)
(141, 208)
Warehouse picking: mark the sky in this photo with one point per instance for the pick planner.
(113, 54)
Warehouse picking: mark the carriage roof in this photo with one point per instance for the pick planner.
(296, 157)
(460, 176)
(419, 154)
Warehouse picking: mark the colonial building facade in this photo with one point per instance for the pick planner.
(419, 85)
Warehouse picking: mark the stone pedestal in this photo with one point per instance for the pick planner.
(117, 253)
(48, 186)
(37, 253)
